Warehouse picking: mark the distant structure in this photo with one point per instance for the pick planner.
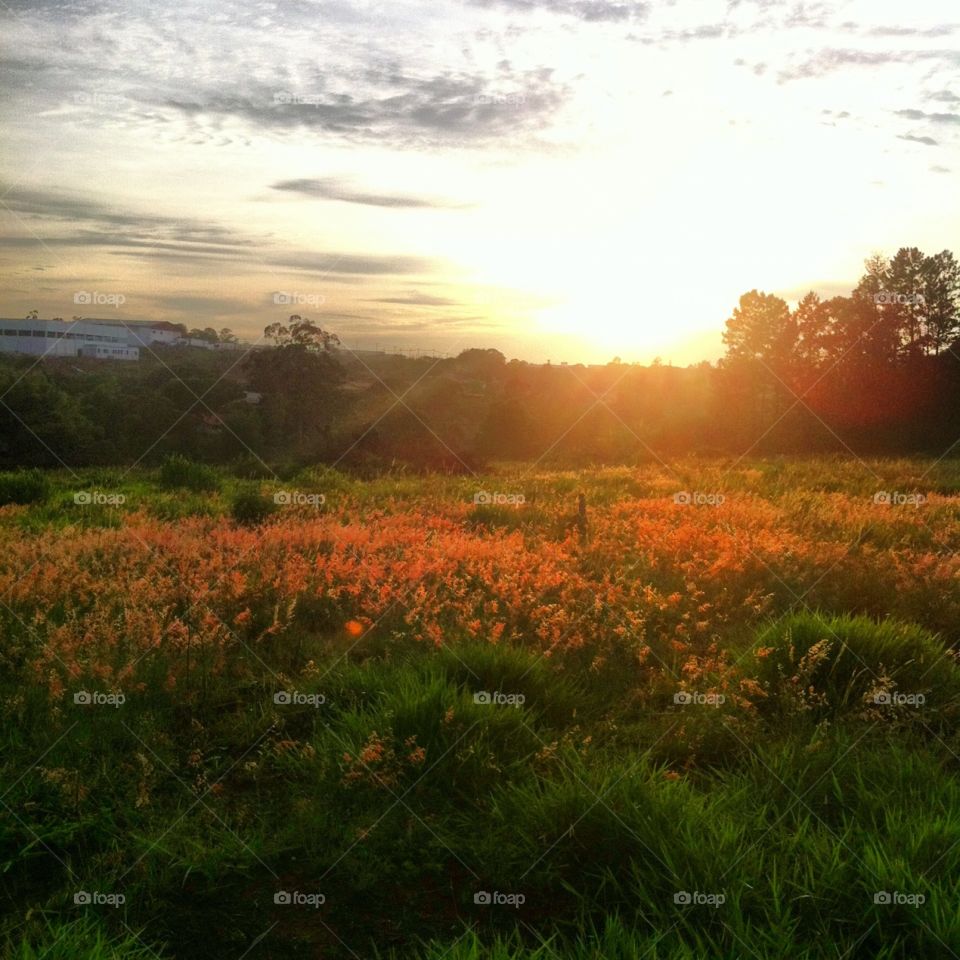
(100, 339)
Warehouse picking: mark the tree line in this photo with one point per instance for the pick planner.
(877, 371)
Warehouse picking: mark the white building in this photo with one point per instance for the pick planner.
(143, 333)
(107, 351)
(94, 337)
(56, 338)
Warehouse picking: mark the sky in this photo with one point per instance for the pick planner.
(569, 180)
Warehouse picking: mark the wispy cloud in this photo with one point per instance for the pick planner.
(830, 59)
(334, 188)
(598, 11)
(951, 118)
(926, 141)
(417, 300)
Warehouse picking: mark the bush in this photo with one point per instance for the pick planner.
(250, 508)
(178, 471)
(829, 665)
(24, 486)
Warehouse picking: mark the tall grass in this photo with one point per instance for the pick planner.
(660, 754)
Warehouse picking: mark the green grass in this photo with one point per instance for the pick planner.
(580, 786)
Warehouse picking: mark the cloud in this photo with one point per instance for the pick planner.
(87, 222)
(810, 16)
(207, 307)
(758, 69)
(400, 109)
(417, 299)
(706, 31)
(829, 60)
(942, 30)
(334, 264)
(332, 188)
(358, 72)
(931, 117)
(927, 141)
(96, 223)
(354, 263)
(597, 11)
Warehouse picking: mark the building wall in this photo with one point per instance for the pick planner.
(144, 336)
(102, 351)
(57, 338)
(36, 345)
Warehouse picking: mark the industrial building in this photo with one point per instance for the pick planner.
(100, 339)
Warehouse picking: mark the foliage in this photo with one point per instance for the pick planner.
(178, 471)
(400, 705)
(251, 507)
(23, 486)
(871, 373)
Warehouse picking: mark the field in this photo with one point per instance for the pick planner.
(381, 719)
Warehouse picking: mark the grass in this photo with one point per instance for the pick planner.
(661, 753)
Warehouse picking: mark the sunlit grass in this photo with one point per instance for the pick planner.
(482, 698)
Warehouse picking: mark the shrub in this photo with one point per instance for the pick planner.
(178, 471)
(250, 508)
(829, 665)
(23, 486)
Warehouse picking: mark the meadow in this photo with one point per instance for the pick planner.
(440, 717)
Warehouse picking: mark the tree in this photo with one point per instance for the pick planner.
(228, 336)
(906, 282)
(300, 332)
(940, 285)
(885, 330)
(762, 329)
(483, 364)
(207, 334)
(813, 326)
(299, 378)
